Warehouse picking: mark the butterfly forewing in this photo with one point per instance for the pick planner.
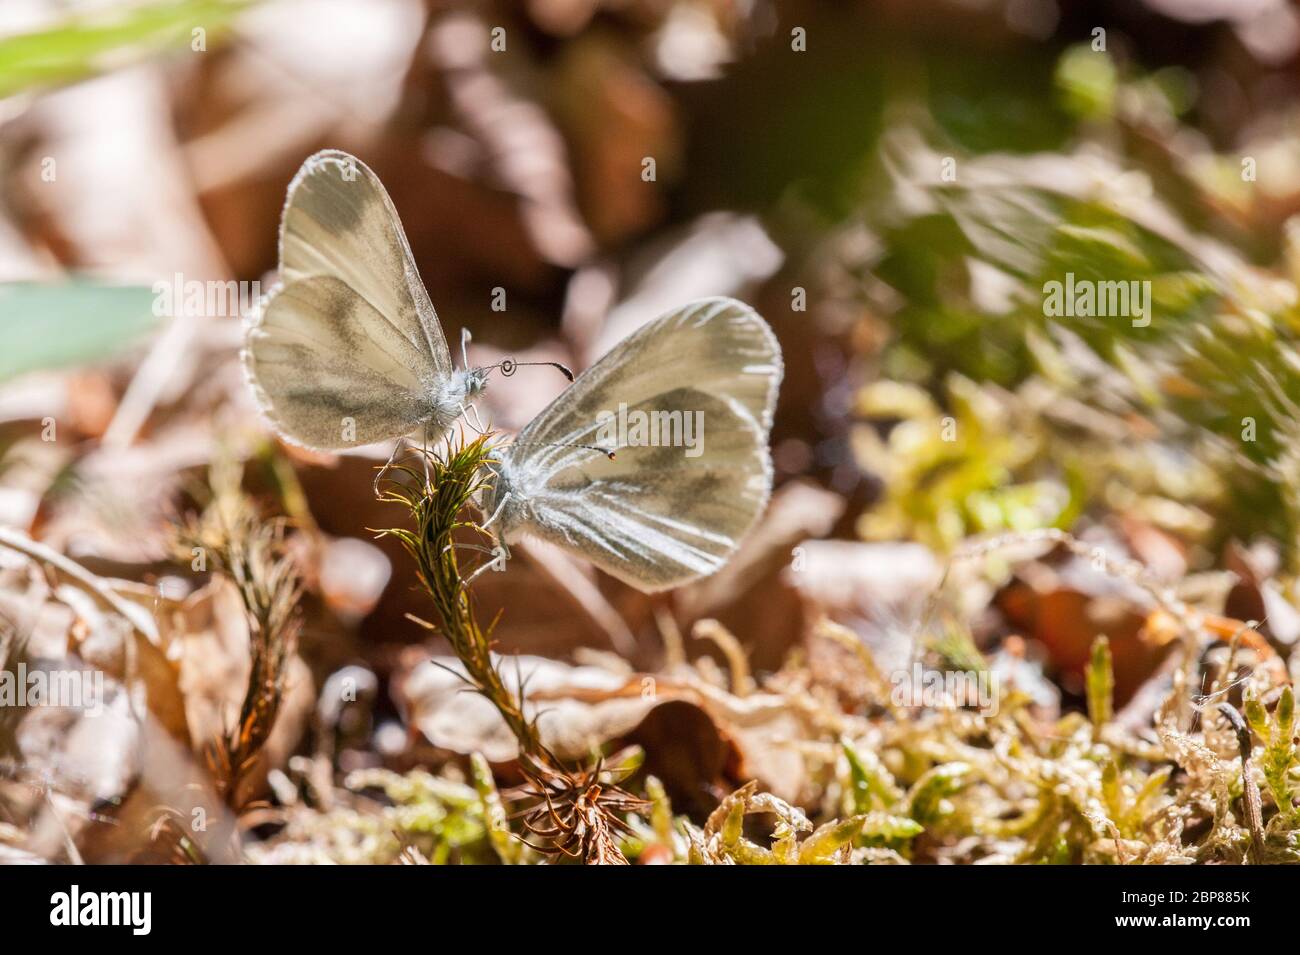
(719, 345)
(348, 337)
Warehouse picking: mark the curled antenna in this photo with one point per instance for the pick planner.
(608, 452)
(508, 366)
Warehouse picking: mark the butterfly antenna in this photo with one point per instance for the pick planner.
(508, 366)
(465, 339)
(608, 452)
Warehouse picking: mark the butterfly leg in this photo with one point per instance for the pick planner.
(388, 464)
(501, 554)
(497, 513)
(424, 459)
(464, 411)
(482, 428)
(468, 546)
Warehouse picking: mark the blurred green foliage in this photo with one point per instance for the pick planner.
(59, 325)
(83, 45)
(1192, 410)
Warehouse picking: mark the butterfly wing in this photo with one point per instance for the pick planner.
(659, 515)
(349, 332)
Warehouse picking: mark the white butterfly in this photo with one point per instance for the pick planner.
(654, 515)
(347, 349)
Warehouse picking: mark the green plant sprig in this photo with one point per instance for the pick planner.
(579, 813)
(438, 495)
(1278, 735)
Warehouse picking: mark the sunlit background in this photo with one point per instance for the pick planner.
(891, 184)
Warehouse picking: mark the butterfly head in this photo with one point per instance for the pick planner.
(472, 381)
(464, 385)
(449, 398)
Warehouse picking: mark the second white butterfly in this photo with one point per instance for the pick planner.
(595, 474)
